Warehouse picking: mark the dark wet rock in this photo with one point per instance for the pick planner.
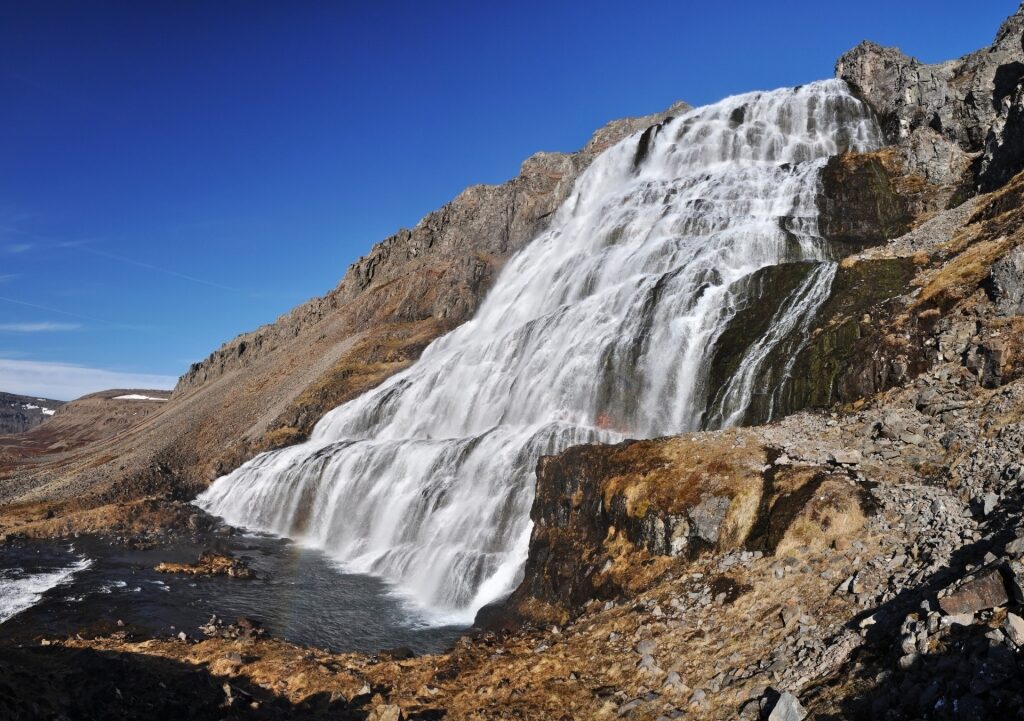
(847, 354)
(862, 203)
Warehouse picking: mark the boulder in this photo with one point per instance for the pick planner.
(1006, 283)
(1014, 629)
(787, 708)
(987, 591)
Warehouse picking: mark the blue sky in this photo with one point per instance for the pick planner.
(175, 173)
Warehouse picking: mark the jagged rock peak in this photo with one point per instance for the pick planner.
(959, 122)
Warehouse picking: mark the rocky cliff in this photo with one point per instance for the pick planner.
(957, 123)
(21, 413)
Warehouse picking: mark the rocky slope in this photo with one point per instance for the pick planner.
(22, 413)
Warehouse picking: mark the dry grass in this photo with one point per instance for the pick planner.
(675, 474)
(834, 512)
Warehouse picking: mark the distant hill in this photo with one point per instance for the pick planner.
(21, 413)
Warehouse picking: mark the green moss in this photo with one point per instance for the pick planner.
(839, 353)
(761, 294)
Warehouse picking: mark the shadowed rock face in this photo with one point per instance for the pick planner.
(957, 122)
(21, 413)
(866, 199)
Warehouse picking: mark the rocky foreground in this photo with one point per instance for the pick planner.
(862, 557)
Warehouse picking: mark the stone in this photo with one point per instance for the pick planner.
(846, 457)
(787, 708)
(1014, 629)
(1015, 548)
(790, 611)
(907, 661)
(987, 591)
(385, 712)
(1015, 580)
(1006, 283)
(645, 647)
(647, 664)
(674, 682)
(706, 518)
(984, 505)
(958, 619)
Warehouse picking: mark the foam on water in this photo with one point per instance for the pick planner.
(20, 589)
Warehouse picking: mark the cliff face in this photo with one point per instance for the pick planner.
(958, 122)
(21, 413)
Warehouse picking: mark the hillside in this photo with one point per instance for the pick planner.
(21, 413)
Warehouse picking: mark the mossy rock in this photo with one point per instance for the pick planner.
(842, 359)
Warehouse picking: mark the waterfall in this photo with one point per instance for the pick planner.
(600, 329)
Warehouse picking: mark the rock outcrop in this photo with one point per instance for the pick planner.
(22, 413)
(957, 123)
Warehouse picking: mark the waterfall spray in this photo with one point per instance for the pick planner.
(600, 329)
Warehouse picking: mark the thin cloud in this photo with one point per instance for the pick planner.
(44, 327)
(17, 248)
(8, 277)
(148, 266)
(65, 381)
(48, 309)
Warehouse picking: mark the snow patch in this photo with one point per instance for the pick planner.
(137, 397)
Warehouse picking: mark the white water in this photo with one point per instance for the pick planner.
(20, 590)
(600, 329)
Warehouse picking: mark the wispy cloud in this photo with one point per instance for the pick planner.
(48, 309)
(83, 246)
(16, 248)
(7, 277)
(44, 327)
(65, 381)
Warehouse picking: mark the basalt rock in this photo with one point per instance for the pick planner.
(866, 199)
(850, 354)
(957, 123)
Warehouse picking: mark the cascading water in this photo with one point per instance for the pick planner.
(600, 329)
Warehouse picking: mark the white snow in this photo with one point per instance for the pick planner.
(137, 397)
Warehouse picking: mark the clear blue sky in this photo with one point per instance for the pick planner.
(175, 173)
